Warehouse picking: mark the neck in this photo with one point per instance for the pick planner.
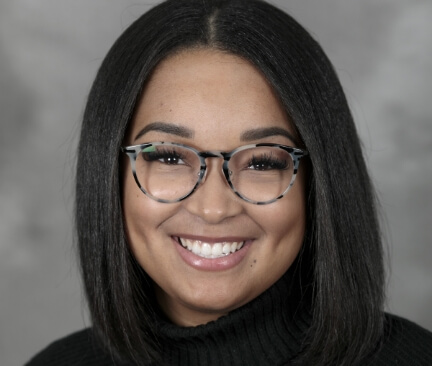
(268, 330)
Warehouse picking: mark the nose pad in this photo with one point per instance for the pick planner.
(214, 200)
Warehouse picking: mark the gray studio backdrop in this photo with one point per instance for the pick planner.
(49, 53)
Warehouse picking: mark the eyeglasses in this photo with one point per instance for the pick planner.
(258, 173)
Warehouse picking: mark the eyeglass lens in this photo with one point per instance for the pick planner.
(171, 172)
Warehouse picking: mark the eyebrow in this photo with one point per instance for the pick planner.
(165, 127)
(249, 135)
(260, 133)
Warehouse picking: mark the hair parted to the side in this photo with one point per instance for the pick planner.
(342, 248)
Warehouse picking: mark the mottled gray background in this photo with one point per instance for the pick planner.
(49, 53)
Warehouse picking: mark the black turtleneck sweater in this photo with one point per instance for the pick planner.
(267, 331)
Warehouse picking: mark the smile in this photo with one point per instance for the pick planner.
(210, 250)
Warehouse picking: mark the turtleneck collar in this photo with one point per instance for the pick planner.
(267, 331)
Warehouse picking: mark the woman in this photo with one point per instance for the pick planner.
(223, 208)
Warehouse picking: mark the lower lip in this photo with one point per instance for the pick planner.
(212, 264)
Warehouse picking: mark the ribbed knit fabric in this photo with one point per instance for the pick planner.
(267, 331)
(404, 344)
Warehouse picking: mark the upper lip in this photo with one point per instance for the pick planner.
(213, 239)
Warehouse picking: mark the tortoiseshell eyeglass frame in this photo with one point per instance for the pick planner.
(133, 151)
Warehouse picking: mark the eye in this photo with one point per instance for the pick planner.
(164, 156)
(267, 162)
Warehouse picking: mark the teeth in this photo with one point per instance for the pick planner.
(196, 249)
(226, 249)
(208, 250)
(217, 250)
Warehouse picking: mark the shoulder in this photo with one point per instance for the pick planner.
(404, 343)
(80, 348)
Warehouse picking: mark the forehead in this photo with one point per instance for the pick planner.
(210, 92)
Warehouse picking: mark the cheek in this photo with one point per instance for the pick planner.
(286, 228)
(135, 219)
(287, 219)
(141, 215)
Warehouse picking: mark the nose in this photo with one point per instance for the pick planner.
(214, 201)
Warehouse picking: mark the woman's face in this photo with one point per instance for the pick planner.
(215, 97)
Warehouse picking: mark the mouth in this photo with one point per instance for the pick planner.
(210, 250)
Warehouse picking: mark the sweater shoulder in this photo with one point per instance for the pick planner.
(77, 349)
(404, 343)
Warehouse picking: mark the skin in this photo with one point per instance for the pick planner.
(217, 96)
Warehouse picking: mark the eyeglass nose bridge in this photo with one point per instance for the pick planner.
(203, 155)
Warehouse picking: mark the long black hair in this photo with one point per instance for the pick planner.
(342, 247)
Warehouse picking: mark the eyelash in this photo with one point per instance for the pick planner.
(267, 161)
(163, 155)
